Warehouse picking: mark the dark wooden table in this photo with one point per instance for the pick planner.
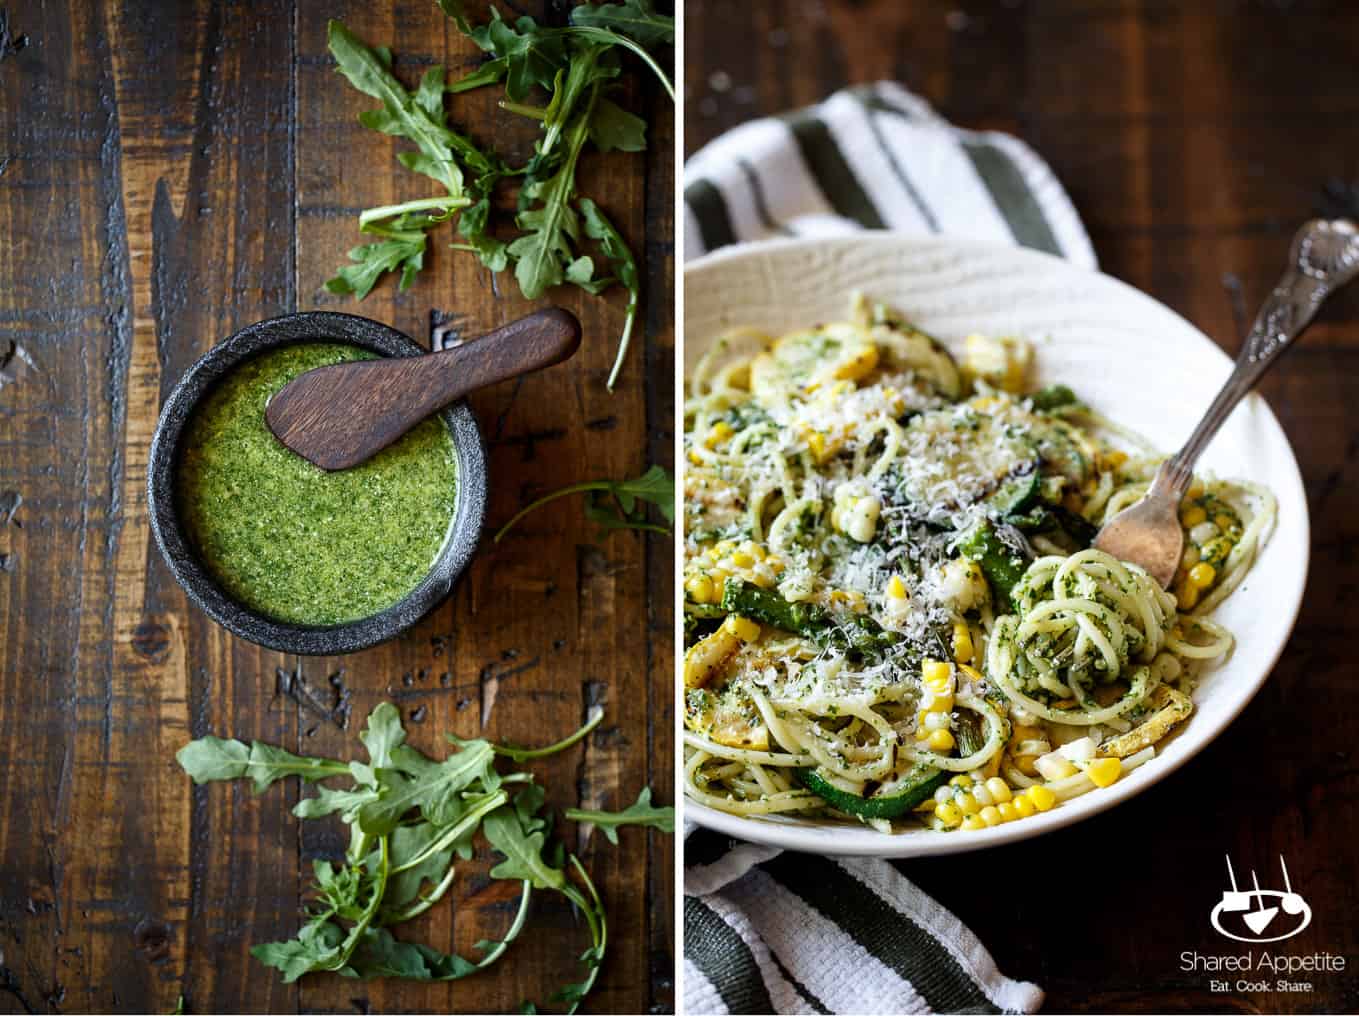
(1194, 138)
(170, 172)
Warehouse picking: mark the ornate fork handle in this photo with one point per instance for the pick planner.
(1324, 256)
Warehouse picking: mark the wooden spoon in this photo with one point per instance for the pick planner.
(339, 416)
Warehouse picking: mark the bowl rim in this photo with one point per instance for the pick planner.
(844, 839)
(464, 532)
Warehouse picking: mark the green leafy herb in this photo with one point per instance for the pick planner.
(641, 812)
(409, 818)
(597, 227)
(615, 504)
(573, 66)
(636, 19)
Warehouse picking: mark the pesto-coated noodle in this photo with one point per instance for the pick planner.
(892, 610)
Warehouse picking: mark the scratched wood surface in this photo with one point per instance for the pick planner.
(1193, 138)
(170, 172)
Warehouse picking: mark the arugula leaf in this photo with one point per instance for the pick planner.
(405, 250)
(401, 114)
(636, 19)
(212, 758)
(401, 864)
(615, 248)
(628, 511)
(435, 791)
(531, 57)
(413, 862)
(613, 128)
(505, 830)
(383, 735)
(641, 812)
(328, 802)
(316, 945)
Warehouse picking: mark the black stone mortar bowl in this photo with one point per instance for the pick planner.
(459, 545)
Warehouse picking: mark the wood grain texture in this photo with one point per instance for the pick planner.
(1194, 139)
(170, 173)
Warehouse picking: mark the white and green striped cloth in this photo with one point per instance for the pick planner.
(875, 157)
(771, 932)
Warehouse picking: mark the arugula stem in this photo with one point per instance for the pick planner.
(615, 39)
(598, 923)
(533, 112)
(369, 912)
(575, 488)
(522, 754)
(469, 821)
(425, 902)
(623, 342)
(448, 203)
(516, 926)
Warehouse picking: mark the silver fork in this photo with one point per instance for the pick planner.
(1325, 256)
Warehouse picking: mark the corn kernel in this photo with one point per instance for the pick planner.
(721, 431)
(1224, 521)
(940, 740)
(981, 794)
(696, 458)
(1192, 516)
(753, 549)
(742, 627)
(971, 672)
(741, 559)
(1104, 771)
(961, 780)
(1023, 806)
(1008, 812)
(1186, 595)
(948, 813)
(973, 822)
(700, 589)
(962, 642)
(816, 441)
(896, 588)
(1202, 574)
(1195, 491)
(991, 815)
(1043, 799)
(999, 789)
(723, 547)
(933, 670)
(967, 803)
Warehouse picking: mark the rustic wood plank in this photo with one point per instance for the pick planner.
(168, 175)
(1193, 139)
(545, 623)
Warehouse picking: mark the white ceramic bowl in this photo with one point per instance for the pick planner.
(1125, 354)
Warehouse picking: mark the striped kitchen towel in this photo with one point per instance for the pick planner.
(875, 157)
(771, 932)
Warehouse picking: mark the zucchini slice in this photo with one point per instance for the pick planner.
(1001, 564)
(906, 793)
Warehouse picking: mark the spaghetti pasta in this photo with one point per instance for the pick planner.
(923, 633)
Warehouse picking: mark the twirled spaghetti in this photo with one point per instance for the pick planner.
(892, 610)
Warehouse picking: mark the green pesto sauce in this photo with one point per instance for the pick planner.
(289, 539)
